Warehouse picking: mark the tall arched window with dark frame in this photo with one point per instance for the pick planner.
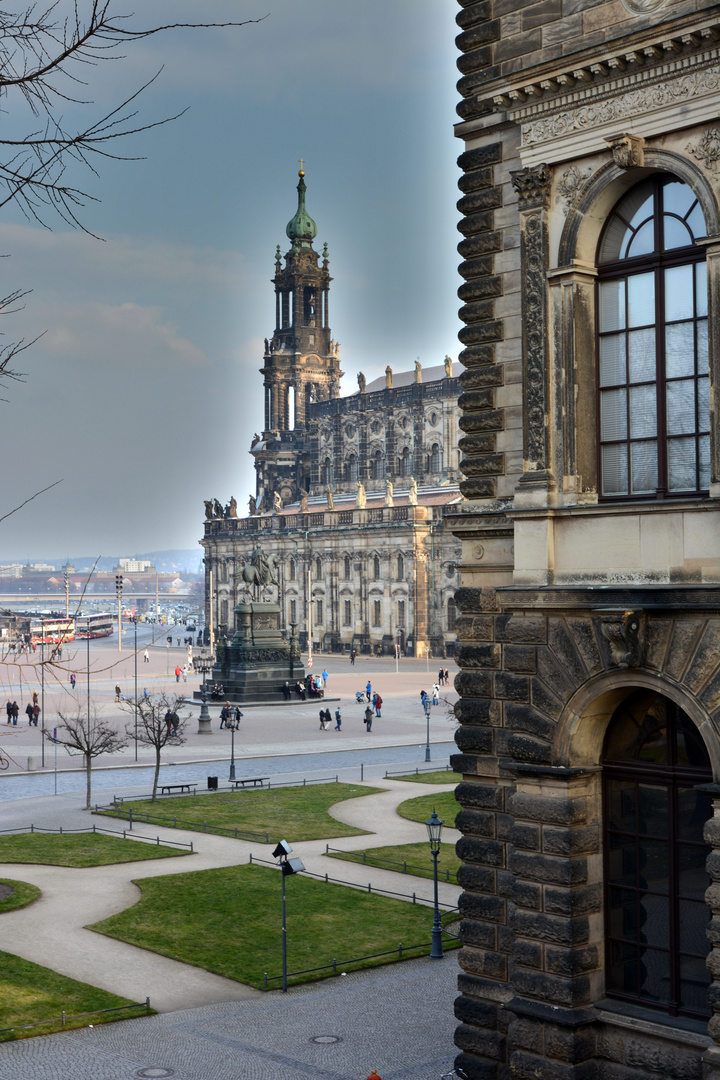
(653, 373)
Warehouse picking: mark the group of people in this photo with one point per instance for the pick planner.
(218, 692)
(444, 677)
(312, 686)
(13, 711)
(326, 719)
(435, 695)
(173, 722)
(181, 671)
(229, 717)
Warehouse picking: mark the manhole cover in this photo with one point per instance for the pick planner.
(155, 1071)
(323, 1039)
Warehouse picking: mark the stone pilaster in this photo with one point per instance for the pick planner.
(533, 188)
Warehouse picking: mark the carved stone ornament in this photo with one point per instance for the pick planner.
(625, 632)
(642, 7)
(627, 150)
(570, 183)
(644, 99)
(532, 186)
(707, 149)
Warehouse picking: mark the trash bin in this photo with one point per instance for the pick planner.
(212, 783)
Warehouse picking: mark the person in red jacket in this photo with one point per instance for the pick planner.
(378, 704)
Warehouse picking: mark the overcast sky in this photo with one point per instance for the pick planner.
(145, 391)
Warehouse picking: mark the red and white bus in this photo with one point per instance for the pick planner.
(53, 631)
(92, 626)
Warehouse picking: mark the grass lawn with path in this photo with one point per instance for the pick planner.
(16, 894)
(228, 921)
(31, 993)
(412, 859)
(290, 813)
(439, 776)
(79, 849)
(420, 809)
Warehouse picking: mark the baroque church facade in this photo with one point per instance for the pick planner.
(351, 492)
(589, 626)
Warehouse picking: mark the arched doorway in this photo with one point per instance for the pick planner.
(656, 918)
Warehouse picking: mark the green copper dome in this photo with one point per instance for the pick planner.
(301, 229)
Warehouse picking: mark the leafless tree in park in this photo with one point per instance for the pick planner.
(47, 53)
(90, 736)
(153, 729)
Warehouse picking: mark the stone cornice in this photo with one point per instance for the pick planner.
(570, 85)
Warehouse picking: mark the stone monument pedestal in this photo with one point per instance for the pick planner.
(257, 663)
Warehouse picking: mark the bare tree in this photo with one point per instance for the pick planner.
(46, 56)
(89, 736)
(159, 723)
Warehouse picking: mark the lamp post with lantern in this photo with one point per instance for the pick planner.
(434, 827)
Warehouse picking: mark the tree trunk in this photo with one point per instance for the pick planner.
(88, 767)
(157, 773)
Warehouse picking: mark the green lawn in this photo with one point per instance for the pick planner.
(228, 922)
(440, 776)
(23, 894)
(292, 814)
(79, 849)
(30, 993)
(412, 859)
(420, 809)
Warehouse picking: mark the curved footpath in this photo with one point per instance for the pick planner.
(52, 930)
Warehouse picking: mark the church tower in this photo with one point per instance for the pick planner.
(301, 359)
(301, 362)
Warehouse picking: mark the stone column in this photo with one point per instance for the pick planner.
(533, 188)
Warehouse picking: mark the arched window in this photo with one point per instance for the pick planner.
(655, 877)
(378, 466)
(346, 568)
(352, 470)
(653, 384)
(376, 568)
(405, 462)
(435, 466)
(293, 570)
(400, 568)
(326, 472)
(318, 569)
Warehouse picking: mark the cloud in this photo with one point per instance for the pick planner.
(132, 334)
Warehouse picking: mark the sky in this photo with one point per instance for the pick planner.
(144, 391)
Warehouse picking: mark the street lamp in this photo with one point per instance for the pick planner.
(119, 591)
(233, 726)
(287, 866)
(434, 827)
(204, 664)
(427, 705)
(135, 622)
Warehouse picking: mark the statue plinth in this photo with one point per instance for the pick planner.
(257, 663)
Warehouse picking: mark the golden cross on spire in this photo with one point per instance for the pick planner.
(301, 164)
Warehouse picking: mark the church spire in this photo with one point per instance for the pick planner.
(301, 229)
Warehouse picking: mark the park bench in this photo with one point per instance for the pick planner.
(167, 789)
(256, 781)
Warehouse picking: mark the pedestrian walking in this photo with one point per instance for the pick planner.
(145, 693)
(441, 677)
(117, 691)
(223, 717)
(378, 704)
(338, 719)
(8, 710)
(324, 678)
(29, 713)
(146, 657)
(447, 677)
(368, 718)
(178, 671)
(169, 722)
(36, 713)
(322, 720)
(15, 712)
(175, 720)
(436, 694)
(368, 690)
(35, 697)
(352, 657)
(238, 717)
(184, 671)
(72, 681)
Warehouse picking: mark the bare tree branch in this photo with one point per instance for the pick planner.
(89, 736)
(30, 500)
(159, 723)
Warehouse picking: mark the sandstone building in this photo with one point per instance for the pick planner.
(352, 492)
(589, 634)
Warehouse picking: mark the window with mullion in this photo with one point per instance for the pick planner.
(653, 381)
